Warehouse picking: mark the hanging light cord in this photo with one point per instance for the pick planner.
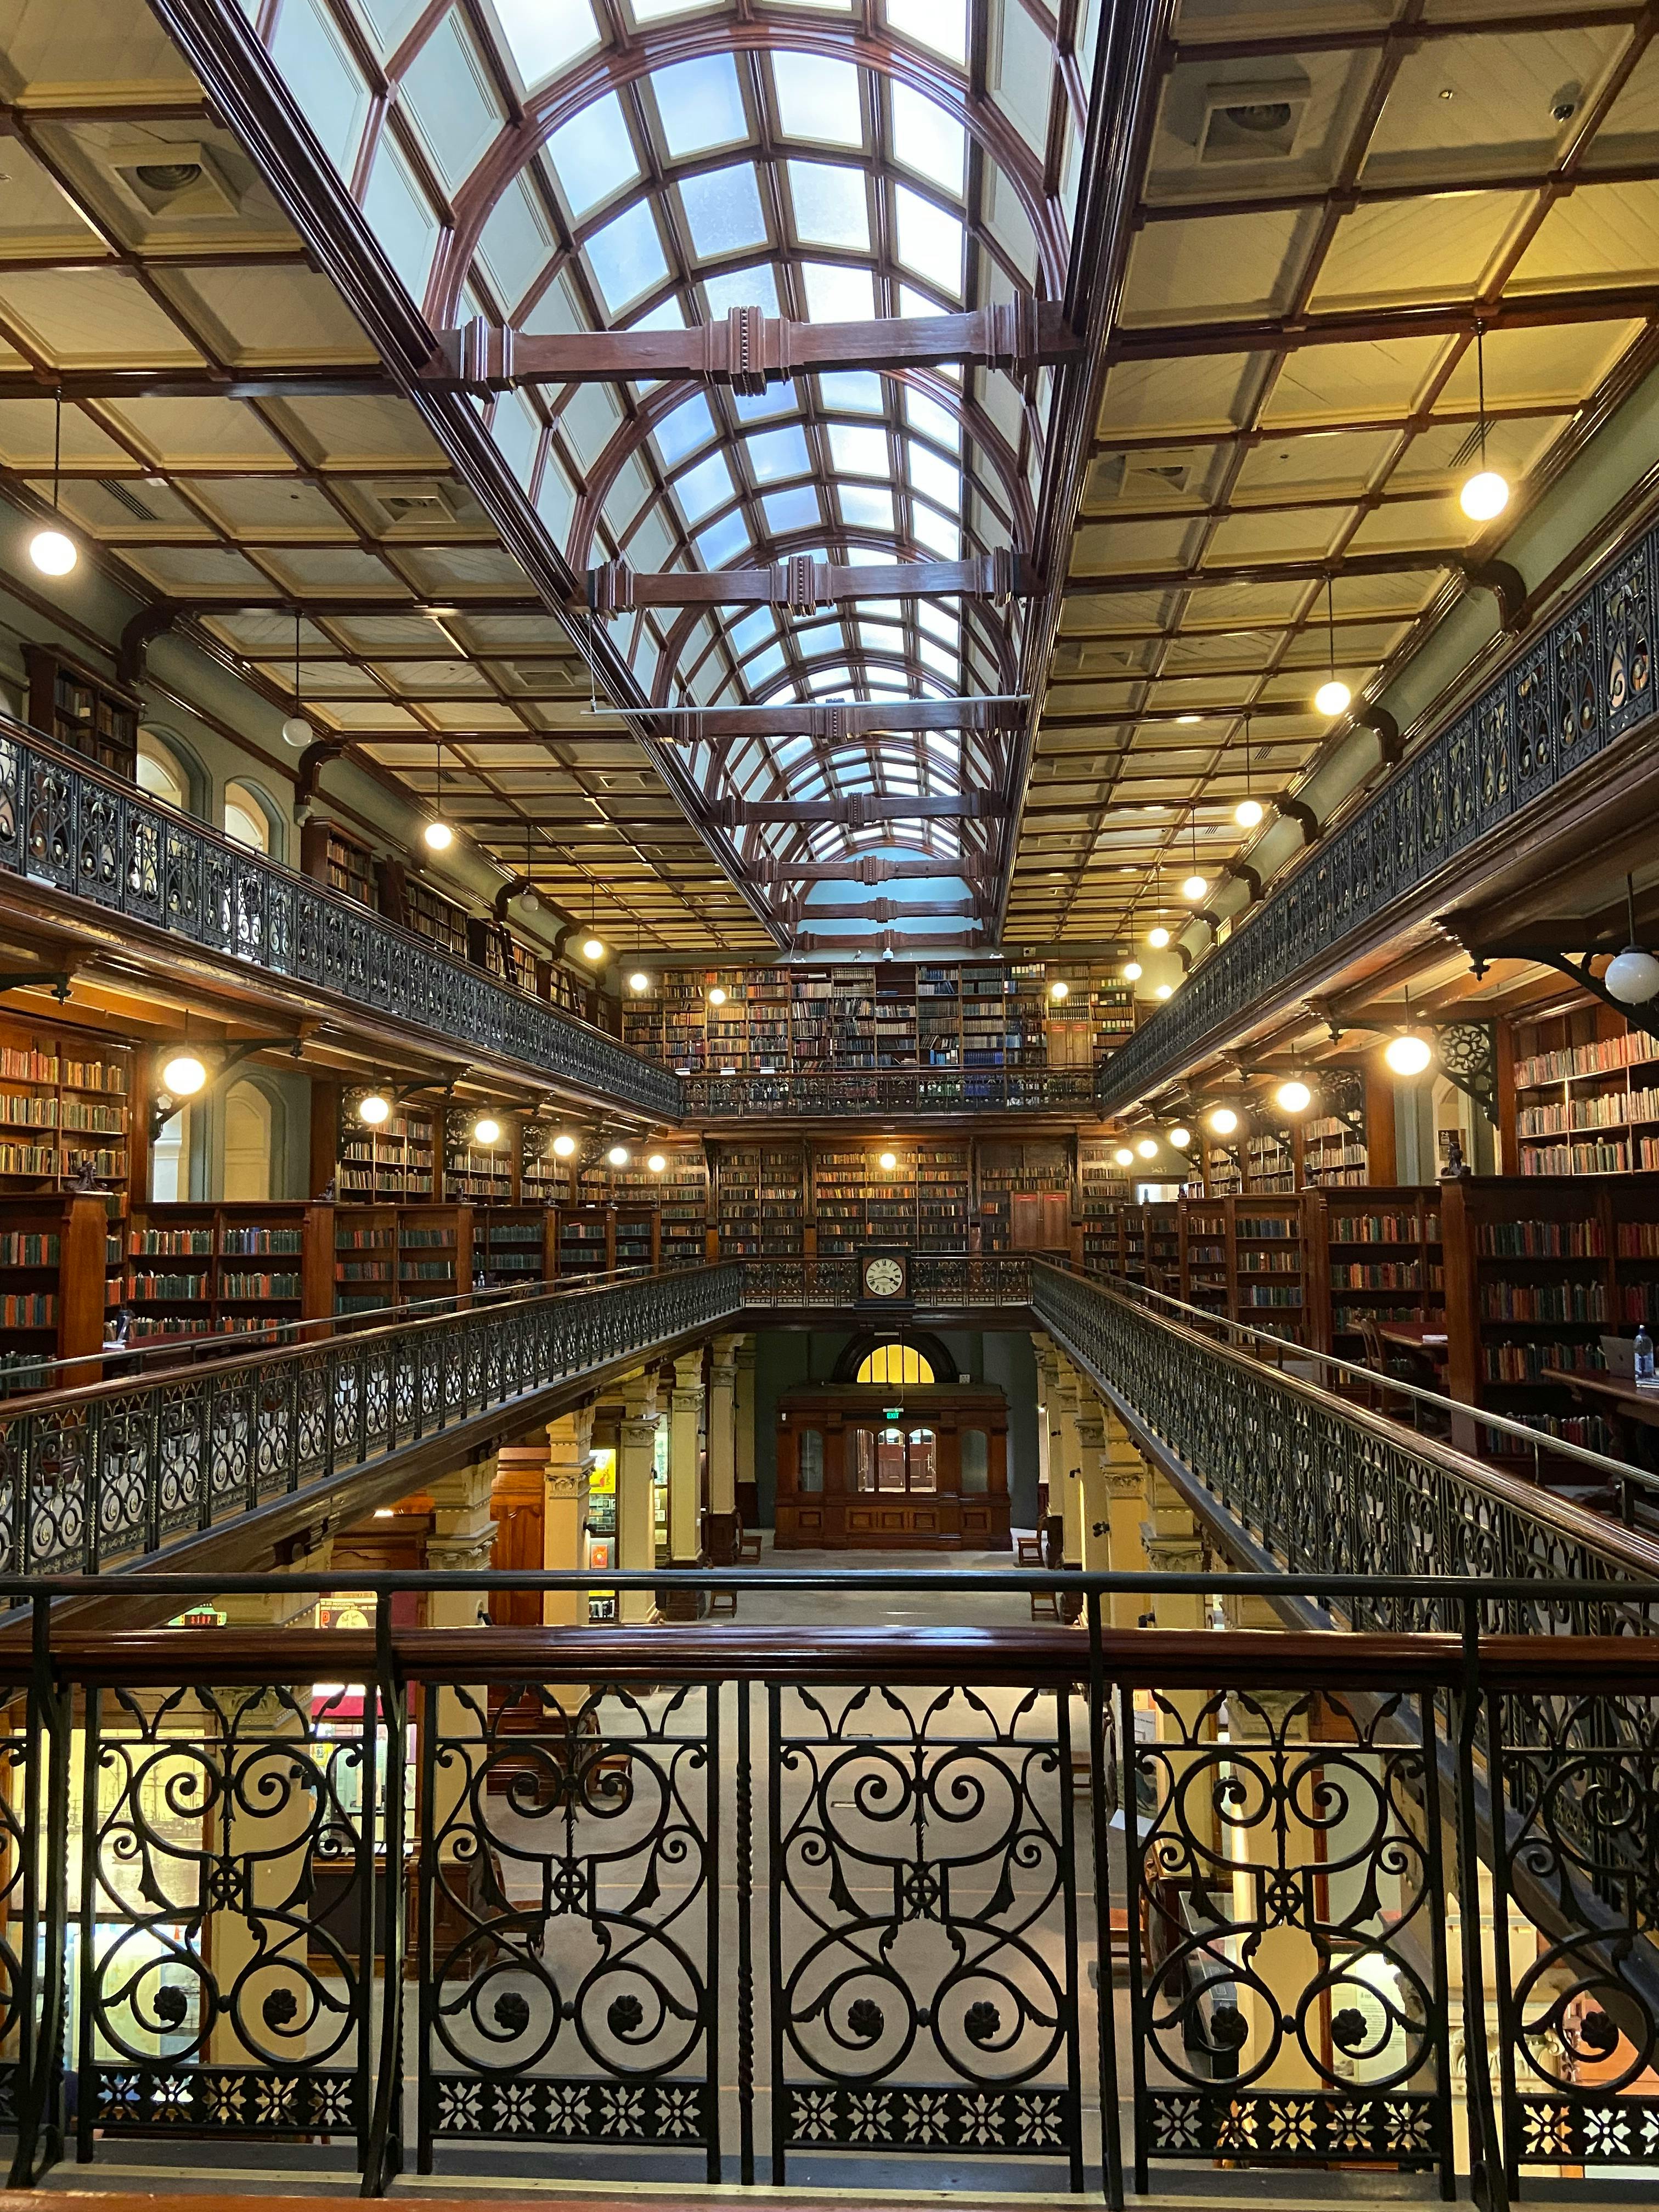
(56, 448)
(1330, 620)
(1480, 382)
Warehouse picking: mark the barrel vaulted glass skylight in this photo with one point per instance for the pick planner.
(650, 165)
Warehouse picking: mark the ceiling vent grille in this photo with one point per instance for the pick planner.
(1253, 121)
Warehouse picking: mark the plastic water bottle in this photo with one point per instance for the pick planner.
(1644, 1350)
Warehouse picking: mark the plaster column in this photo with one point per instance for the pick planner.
(685, 1406)
(463, 1534)
(1174, 1547)
(1047, 1365)
(742, 1428)
(636, 1508)
(564, 1514)
(1124, 1478)
(1095, 1527)
(721, 1522)
(1064, 1458)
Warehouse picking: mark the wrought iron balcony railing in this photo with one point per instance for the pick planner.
(713, 1904)
(65, 825)
(1325, 1487)
(112, 1471)
(1584, 685)
(894, 1091)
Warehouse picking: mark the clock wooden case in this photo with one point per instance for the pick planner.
(883, 1275)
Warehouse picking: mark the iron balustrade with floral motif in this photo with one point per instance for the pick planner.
(68, 827)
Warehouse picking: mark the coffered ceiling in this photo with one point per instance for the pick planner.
(1336, 198)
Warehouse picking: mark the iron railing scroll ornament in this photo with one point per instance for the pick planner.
(1581, 686)
(70, 827)
(917, 1904)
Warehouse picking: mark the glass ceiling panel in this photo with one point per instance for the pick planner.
(822, 189)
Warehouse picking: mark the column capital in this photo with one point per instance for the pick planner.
(746, 1352)
(1091, 1428)
(461, 1555)
(567, 1482)
(687, 1372)
(1174, 1554)
(1123, 1481)
(639, 1395)
(639, 1432)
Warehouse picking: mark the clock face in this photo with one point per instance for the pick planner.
(883, 1278)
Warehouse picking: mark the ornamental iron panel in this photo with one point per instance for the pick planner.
(1587, 681)
(924, 1930)
(570, 1934)
(1288, 2000)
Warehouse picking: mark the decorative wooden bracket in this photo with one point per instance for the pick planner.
(1507, 586)
(1379, 720)
(746, 350)
(1299, 811)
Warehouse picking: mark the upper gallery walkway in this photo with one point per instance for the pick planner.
(1286, 1472)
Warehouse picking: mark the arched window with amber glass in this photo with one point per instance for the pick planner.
(896, 1363)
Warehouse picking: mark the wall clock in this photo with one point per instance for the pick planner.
(884, 1276)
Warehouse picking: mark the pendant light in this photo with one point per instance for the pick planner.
(1486, 493)
(296, 731)
(1131, 966)
(1248, 811)
(593, 943)
(1409, 1052)
(1632, 976)
(437, 833)
(1333, 696)
(529, 898)
(52, 550)
(1195, 886)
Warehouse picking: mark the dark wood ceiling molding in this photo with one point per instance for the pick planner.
(802, 584)
(747, 349)
(1529, 311)
(1130, 53)
(860, 809)
(233, 67)
(835, 720)
(868, 868)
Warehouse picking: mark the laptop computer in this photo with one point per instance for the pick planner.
(1619, 1357)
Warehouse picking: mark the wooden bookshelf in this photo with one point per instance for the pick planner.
(1373, 1255)
(1538, 1268)
(83, 711)
(889, 1016)
(586, 1243)
(61, 1274)
(544, 1178)
(1588, 1104)
(1161, 1246)
(516, 1244)
(393, 1164)
(1105, 1192)
(364, 1258)
(481, 1175)
(64, 1108)
(1334, 1155)
(227, 1269)
(435, 1251)
(331, 855)
(1012, 1170)
(1244, 1257)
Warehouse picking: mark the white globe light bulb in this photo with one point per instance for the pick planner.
(1631, 976)
(563, 1147)
(1248, 813)
(52, 553)
(1294, 1097)
(374, 1108)
(717, 997)
(889, 1162)
(1164, 991)
(183, 1076)
(1059, 990)
(617, 1156)
(439, 837)
(1193, 888)
(656, 1164)
(1147, 1148)
(1157, 938)
(487, 1129)
(1485, 495)
(530, 898)
(638, 981)
(1132, 972)
(298, 732)
(1333, 696)
(1223, 1121)
(1181, 1138)
(594, 948)
(1124, 1157)
(1408, 1055)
